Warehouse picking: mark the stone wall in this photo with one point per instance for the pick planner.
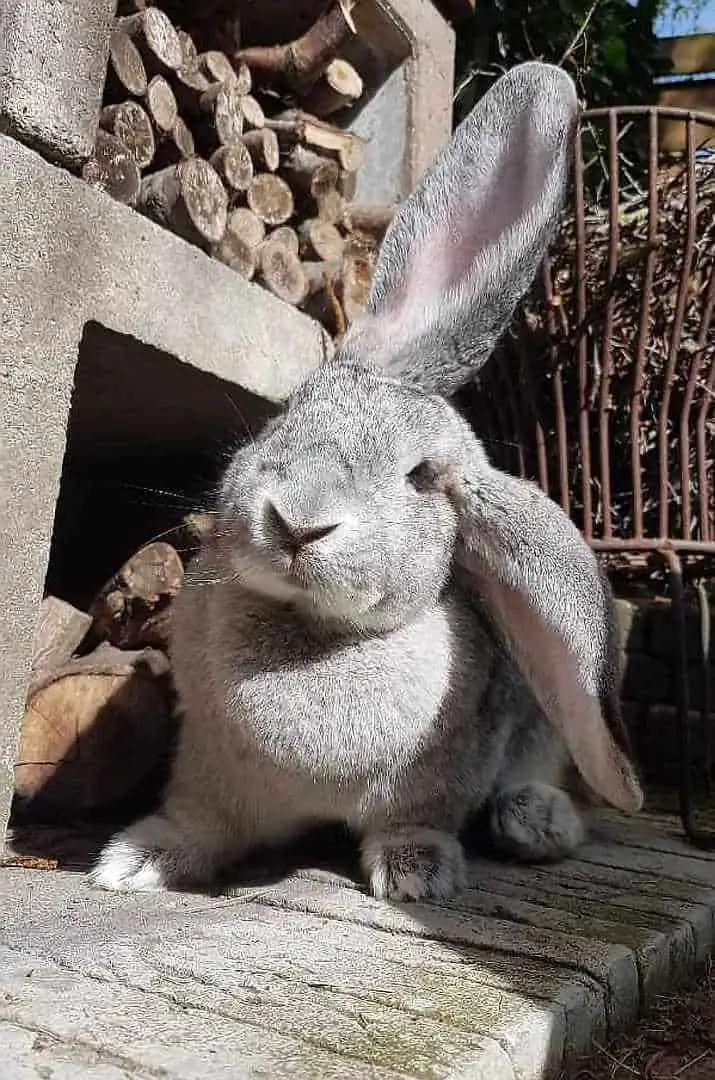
(649, 642)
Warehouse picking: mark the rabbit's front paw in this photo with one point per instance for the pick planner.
(535, 822)
(413, 864)
(148, 857)
(126, 867)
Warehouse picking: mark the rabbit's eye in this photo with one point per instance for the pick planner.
(422, 477)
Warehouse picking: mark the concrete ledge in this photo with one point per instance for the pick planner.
(71, 257)
(53, 63)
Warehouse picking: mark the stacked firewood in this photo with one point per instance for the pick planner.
(99, 710)
(237, 152)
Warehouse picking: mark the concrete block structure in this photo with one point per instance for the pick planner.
(121, 343)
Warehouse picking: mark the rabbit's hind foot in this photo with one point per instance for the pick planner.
(413, 864)
(535, 822)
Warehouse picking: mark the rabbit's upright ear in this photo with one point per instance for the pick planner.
(552, 605)
(466, 245)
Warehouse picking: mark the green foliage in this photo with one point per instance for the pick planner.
(608, 46)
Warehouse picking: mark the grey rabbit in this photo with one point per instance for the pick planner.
(382, 629)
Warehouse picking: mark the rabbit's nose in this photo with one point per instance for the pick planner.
(294, 536)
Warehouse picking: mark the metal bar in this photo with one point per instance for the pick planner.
(654, 544)
(696, 363)
(607, 338)
(707, 526)
(582, 344)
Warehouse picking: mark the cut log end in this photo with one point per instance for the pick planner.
(320, 240)
(126, 64)
(246, 225)
(233, 164)
(270, 198)
(155, 37)
(282, 273)
(112, 168)
(129, 612)
(130, 123)
(338, 88)
(235, 252)
(262, 145)
(161, 104)
(188, 198)
(253, 114)
(224, 103)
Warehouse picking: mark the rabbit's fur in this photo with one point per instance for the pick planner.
(382, 629)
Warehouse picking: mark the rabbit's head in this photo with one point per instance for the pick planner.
(355, 503)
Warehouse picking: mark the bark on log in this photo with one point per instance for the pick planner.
(322, 301)
(293, 126)
(356, 283)
(189, 51)
(130, 123)
(177, 146)
(330, 206)
(297, 65)
(161, 104)
(189, 84)
(156, 39)
(112, 168)
(347, 184)
(133, 609)
(60, 631)
(233, 164)
(262, 145)
(309, 174)
(94, 728)
(253, 114)
(270, 198)
(339, 87)
(319, 240)
(126, 73)
(281, 272)
(218, 68)
(189, 199)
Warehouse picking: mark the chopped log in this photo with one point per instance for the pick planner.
(309, 174)
(320, 240)
(189, 199)
(270, 198)
(347, 184)
(60, 631)
(373, 221)
(281, 272)
(233, 164)
(131, 611)
(253, 114)
(189, 51)
(161, 104)
(176, 146)
(218, 68)
(356, 283)
(112, 168)
(330, 206)
(236, 253)
(223, 102)
(262, 145)
(126, 73)
(243, 223)
(298, 65)
(94, 728)
(286, 236)
(189, 84)
(156, 39)
(338, 87)
(130, 123)
(293, 126)
(321, 302)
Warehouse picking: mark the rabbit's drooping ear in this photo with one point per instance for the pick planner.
(466, 245)
(552, 604)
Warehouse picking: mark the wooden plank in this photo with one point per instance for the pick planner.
(692, 54)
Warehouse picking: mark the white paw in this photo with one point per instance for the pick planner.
(413, 864)
(535, 822)
(127, 867)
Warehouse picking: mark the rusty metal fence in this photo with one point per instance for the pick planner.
(604, 390)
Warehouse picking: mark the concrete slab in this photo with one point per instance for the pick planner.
(306, 976)
(84, 277)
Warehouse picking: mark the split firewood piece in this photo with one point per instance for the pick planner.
(320, 240)
(286, 236)
(130, 123)
(161, 104)
(60, 631)
(94, 728)
(270, 198)
(339, 87)
(298, 65)
(174, 147)
(233, 164)
(156, 39)
(112, 168)
(309, 174)
(293, 126)
(126, 73)
(262, 145)
(372, 221)
(133, 609)
(188, 198)
(253, 114)
(356, 281)
(330, 205)
(282, 273)
(223, 102)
